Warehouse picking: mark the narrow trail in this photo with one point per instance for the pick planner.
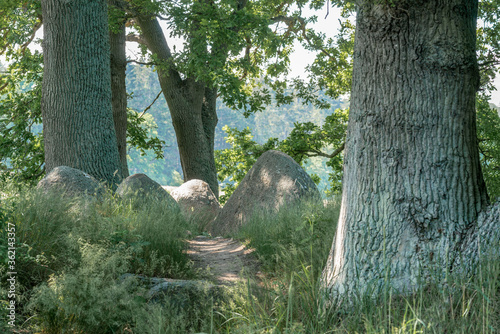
(226, 260)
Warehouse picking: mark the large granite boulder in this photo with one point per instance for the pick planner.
(140, 189)
(170, 189)
(197, 202)
(274, 180)
(70, 181)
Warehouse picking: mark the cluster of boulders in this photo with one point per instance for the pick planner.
(275, 180)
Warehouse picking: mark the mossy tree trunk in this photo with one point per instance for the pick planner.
(413, 191)
(76, 93)
(192, 105)
(118, 89)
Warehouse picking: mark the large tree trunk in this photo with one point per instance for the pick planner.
(412, 187)
(76, 93)
(118, 88)
(192, 107)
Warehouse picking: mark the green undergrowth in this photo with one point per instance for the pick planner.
(293, 247)
(297, 236)
(71, 256)
(71, 252)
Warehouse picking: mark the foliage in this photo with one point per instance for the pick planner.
(141, 134)
(243, 48)
(331, 71)
(21, 145)
(488, 128)
(488, 41)
(306, 140)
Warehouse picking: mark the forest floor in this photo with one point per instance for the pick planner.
(225, 261)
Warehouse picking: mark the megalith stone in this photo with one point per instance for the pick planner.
(140, 189)
(71, 181)
(197, 202)
(274, 180)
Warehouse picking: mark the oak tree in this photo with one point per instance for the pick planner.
(76, 91)
(414, 202)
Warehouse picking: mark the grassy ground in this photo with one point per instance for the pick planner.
(70, 255)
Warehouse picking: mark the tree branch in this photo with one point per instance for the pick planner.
(35, 29)
(161, 17)
(148, 107)
(136, 38)
(316, 153)
(290, 22)
(140, 62)
(488, 63)
(4, 86)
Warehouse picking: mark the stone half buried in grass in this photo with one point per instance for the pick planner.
(190, 297)
(274, 181)
(140, 189)
(70, 181)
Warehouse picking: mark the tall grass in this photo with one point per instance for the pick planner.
(293, 247)
(71, 254)
(54, 236)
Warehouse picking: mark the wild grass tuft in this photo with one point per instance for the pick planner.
(51, 229)
(71, 254)
(90, 299)
(293, 247)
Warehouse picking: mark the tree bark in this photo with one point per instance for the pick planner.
(118, 89)
(76, 93)
(412, 187)
(192, 107)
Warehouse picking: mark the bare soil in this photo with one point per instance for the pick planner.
(226, 261)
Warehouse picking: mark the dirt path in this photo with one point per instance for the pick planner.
(227, 260)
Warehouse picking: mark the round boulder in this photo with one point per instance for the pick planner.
(169, 189)
(141, 189)
(274, 180)
(197, 202)
(71, 181)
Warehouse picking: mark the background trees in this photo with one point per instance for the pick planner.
(227, 46)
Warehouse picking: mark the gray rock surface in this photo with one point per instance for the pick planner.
(71, 181)
(194, 297)
(197, 202)
(141, 189)
(274, 180)
(169, 189)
